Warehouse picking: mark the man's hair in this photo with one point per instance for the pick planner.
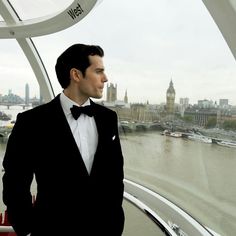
(76, 56)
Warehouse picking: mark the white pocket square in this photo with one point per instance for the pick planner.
(113, 138)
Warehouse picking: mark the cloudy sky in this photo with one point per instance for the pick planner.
(146, 43)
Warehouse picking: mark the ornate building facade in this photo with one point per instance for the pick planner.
(111, 92)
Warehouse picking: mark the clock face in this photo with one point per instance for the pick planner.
(170, 95)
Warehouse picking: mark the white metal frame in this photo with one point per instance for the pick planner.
(13, 27)
(223, 13)
(162, 206)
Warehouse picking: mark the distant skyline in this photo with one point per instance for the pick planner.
(119, 97)
(146, 45)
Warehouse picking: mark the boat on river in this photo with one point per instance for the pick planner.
(199, 137)
(172, 134)
(226, 143)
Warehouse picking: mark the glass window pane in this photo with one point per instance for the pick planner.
(171, 81)
(27, 9)
(19, 91)
(178, 44)
(15, 70)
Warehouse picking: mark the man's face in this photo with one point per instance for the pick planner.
(93, 82)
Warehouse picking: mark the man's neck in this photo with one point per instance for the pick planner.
(74, 97)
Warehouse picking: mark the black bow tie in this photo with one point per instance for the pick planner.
(76, 111)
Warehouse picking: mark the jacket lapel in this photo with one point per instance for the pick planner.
(63, 127)
(99, 120)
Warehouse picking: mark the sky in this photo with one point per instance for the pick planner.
(147, 44)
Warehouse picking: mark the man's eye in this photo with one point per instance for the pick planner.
(99, 71)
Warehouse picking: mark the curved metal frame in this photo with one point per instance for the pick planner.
(13, 27)
(224, 15)
(160, 223)
(30, 51)
(172, 212)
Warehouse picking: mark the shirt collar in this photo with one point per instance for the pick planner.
(67, 103)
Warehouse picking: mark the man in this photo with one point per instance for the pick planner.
(77, 161)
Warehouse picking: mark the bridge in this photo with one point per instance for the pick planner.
(128, 127)
(9, 104)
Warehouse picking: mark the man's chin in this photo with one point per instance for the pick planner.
(98, 96)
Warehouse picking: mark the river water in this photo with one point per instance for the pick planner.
(198, 177)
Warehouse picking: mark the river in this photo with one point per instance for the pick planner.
(197, 176)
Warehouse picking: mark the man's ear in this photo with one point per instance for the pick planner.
(76, 74)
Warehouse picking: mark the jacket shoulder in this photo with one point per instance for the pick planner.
(105, 110)
(40, 111)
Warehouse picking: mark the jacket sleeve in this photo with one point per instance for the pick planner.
(18, 177)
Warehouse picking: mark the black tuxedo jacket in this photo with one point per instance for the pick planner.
(69, 201)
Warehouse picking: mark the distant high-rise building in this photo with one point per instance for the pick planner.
(223, 103)
(170, 98)
(111, 92)
(27, 97)
(184, 102)
(205, 104)
(126, 97)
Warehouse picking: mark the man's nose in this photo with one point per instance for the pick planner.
(105, 79)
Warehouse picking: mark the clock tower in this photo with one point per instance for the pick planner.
(170, 98)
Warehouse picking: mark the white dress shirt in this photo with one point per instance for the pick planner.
(84, 130)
